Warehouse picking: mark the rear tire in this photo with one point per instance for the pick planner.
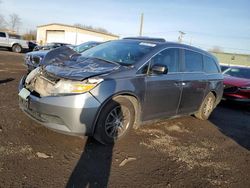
(115, 120)
(206, 107)
(17, 48)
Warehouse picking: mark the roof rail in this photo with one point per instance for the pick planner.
(146, 39)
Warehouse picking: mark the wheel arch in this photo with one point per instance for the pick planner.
(130, 96)
(217, 96)
(15, 43)
(214, 93)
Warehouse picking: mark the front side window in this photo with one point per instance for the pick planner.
(168, 58)
(193, 61)
(2, 34)
(210, 65)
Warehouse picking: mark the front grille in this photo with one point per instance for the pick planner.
(230, 89)
(34, 114)
(52, 119)
(44, 117)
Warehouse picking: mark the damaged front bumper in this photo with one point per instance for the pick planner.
(71, 114)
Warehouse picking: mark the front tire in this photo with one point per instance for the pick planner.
(115, 120)
(206, 107)
(17, 48)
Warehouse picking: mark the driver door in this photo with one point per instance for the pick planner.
(3, 39)
(163, 91)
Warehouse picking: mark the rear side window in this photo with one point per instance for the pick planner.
(12, 36)
(193, 61)
(2, 34)
(210, 65)
(168, 57)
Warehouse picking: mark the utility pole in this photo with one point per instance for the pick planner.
(76, 36)
(141, 26)
(181, 36)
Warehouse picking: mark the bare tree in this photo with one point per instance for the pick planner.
(83, 26)
(14, 22)
(216, 49)
(30, 35)
(2, 20)
(92, 28)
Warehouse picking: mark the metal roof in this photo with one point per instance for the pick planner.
(86, 29)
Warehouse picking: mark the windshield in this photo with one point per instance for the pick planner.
(122, 52)
(238, 72)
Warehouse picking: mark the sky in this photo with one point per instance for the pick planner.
(207, 23)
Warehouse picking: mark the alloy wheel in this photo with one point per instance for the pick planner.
(117, 122)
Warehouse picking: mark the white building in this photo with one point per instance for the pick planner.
(70, 34)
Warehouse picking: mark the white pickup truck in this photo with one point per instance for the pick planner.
(13, 42)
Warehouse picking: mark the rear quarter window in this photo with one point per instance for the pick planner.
(193, 61)
(12, 36)
(210, 65)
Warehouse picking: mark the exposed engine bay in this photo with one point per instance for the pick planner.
(63, 71)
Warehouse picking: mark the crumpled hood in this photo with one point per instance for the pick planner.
(64, 62)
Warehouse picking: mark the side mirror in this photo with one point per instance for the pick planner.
(159, 69)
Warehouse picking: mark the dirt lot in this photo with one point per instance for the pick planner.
(183, 152)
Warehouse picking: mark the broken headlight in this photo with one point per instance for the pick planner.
(69, 87)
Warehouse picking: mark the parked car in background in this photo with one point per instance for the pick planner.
(31, 45)
(120, 84)
(237, 84)
(50, 46)
(13, 42)
(85, 46)
(224, 67)
(33, 59)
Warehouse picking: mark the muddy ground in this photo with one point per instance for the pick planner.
(183, 152)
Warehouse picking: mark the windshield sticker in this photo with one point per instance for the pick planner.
(147, 44)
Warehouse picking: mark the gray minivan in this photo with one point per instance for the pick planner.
(108, 89)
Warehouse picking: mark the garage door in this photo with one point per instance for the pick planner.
(55, 36)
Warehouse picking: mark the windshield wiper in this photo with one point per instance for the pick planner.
(111, 62)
